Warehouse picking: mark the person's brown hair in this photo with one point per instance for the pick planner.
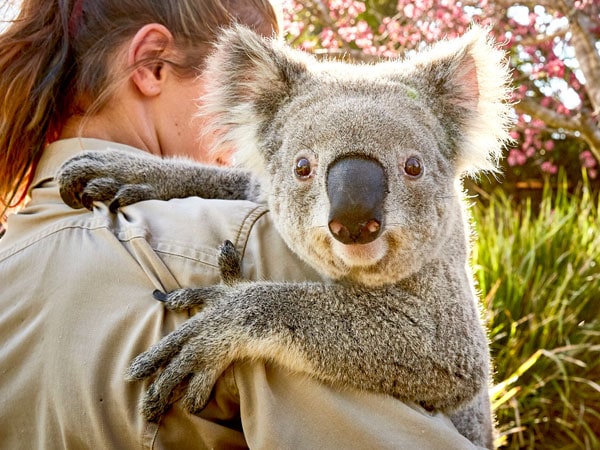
(56, 53)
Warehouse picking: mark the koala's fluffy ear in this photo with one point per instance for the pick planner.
(467, 82)
(248, 77)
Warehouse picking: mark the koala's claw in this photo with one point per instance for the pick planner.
(160, 296)
(129, 194)
(229, 263)
(99, 189)
(158, 399)
(75, 175)
(162, 393)
(158, 355)
(71, 193)
(188, 363)
(153, 405)
(183, 299)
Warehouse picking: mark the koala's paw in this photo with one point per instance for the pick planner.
(109, 189)
(162, 393)
(149, 362)
(119, 195)
(132, 193)
(230, 264)
(196, 353)
(99, 189)
(183, 299)
(108, 175)
(76, 174)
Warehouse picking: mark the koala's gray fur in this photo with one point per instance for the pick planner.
(401, 316)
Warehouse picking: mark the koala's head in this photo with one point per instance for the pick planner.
(361, 163)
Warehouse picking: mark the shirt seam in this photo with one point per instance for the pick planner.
(246, 228)
(177, 255)
(20, 246)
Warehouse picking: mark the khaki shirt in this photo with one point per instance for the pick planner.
(76, 306)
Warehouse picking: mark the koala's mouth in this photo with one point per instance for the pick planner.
(360, 255)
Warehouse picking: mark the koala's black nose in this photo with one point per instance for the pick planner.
(356, 187)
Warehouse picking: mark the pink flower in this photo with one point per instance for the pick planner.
(562, 109)
(556, 68)
(516, 158)
(548, 167)
(328, 39)
(587, 159)
(537, 123)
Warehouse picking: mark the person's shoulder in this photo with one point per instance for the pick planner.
(194, 228)
(191, 227)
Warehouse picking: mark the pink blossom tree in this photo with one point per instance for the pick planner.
(552, 46)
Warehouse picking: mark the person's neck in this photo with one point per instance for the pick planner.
(121, 130)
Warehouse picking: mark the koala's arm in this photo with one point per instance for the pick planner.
(389, 340)
(124, 177)
(474, 420)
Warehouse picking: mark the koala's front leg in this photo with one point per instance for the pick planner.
(224, 331)
(385, 341)
(124, 177)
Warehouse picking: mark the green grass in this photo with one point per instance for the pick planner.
(538, 269)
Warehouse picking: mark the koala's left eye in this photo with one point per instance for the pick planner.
(304, 167)
(413, 167)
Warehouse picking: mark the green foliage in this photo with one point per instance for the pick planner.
(538, 268)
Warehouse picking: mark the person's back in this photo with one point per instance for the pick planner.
(76, 297)
(76, 306)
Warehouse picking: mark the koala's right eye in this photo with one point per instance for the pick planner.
(413, 167)
(304, 167)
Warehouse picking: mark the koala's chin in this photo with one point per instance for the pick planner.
(360, 255)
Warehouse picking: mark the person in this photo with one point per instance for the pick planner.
(76, 302)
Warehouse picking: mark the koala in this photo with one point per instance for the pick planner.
(361, 167)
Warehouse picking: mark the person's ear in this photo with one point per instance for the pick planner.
(149, 74)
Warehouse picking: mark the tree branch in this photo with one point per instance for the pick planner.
(548, 116)
(588, 58)
(584, 124)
